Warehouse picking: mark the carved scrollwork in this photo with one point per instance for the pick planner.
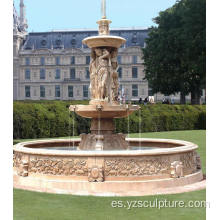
(58, 166)
(189, 161)
(136, 166)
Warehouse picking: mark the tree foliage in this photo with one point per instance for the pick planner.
(175, 53)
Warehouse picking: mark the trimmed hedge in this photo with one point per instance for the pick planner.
(42, 119)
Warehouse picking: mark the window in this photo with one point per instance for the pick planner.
(42, 74)
(70, 91)
(27, 74)
(27, 61)
(57, 60)
(87, 73)
(121, 91)
(72, 60)
(42, 91)
(120, 72)
(27, 91)
(87, 59)
(57, 91)
(134, 59)
(135, 90)
(134, 72)
(72, 73)
(57, 74)
(119, 59)
(134, 39)
(85, 91)
(73, 42)
(42, 61)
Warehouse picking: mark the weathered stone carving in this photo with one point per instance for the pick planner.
(59, 166)
(20, 161)
(93, 75)
(114, 83)
(17, 159)
(198, 161)
(131, 166)
(23, 168)
(99, 142)
(103, 65)
(104, 142)
(103, 74)
(95, 174)
(136, 166)
(176, 169)
(189, 161)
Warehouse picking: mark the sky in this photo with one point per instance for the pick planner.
(47, 15)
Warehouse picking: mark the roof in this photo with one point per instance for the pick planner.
(65, 39)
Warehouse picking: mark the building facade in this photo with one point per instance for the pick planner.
(55, 65)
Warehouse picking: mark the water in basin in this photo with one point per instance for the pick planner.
(66, 148)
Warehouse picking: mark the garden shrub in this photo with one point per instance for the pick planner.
(41, 119)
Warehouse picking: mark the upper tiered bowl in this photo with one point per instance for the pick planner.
(104, 41)
(104, 111)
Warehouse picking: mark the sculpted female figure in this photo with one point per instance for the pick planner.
(93, 75)
(114, 64)
(102, 65)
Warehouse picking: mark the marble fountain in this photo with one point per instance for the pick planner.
(103, 162)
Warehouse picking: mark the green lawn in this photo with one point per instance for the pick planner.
(33, 206)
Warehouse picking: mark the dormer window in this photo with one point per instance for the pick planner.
(134, 38)
(43, 43)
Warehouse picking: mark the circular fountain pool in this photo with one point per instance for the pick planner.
(147, 166)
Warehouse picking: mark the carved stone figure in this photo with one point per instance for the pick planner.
(93, 75)
(23, 168)
(114, 75)
(176, 169)
(103, 74)
(102, 66)
(95, 174)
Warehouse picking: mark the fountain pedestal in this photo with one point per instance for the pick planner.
(104, 106)
(103, 136)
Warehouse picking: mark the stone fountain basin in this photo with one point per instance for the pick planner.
(125, 172)
(104, 41)
(107, 111)
(146, 163)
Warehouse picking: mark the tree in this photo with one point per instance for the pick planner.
(174, 57)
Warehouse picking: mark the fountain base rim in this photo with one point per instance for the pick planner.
(57, 185)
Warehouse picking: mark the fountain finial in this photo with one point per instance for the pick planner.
(104, 22)
(103, 9)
